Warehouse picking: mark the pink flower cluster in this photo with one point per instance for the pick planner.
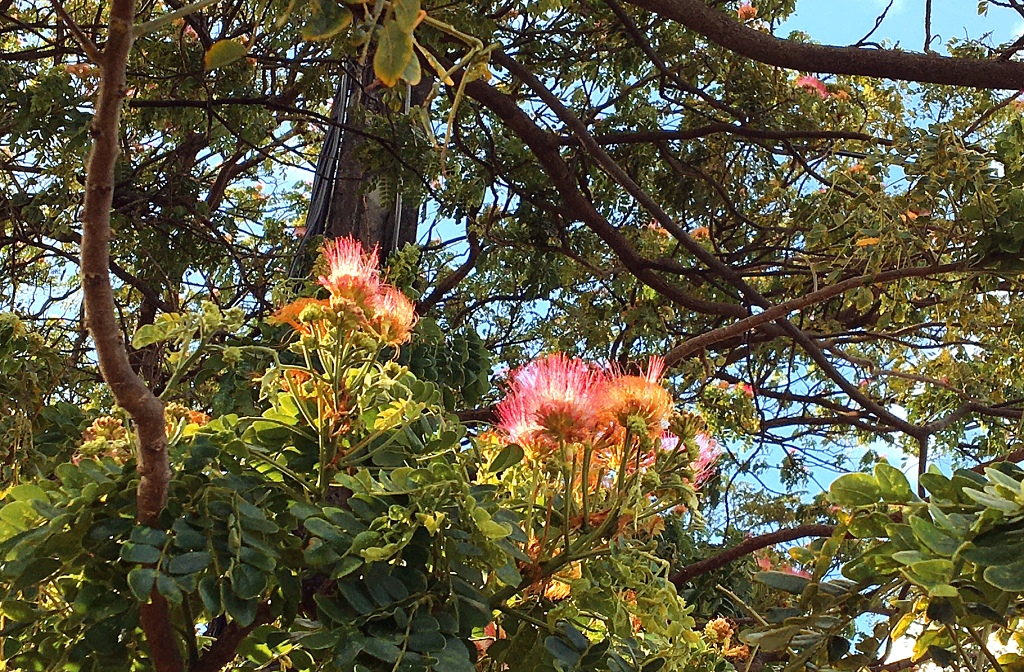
(353, 279)
(558, 400)
(553, 397)
(812, 84)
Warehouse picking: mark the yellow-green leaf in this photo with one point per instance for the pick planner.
(224, 52)
(412, 73)
(434, 64)
(393, 53)
(406, 13)
(325, 20)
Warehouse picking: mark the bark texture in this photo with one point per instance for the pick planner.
(130, 391)
(723, 30)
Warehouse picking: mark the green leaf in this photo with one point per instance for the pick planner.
(426, 641)
(209, 592)
(167, 587)
(26, 492)
(987, 499)
(150, 536)
(243, 611)
(562, 652)
(321, 528)
(941, 656)
(412, 73)
(929, 573)
(356, 597)
(332, 609)
(775, 639)
(893, 483)
(941, 609)
(784, 581)
(326, 19)
(148, 334)
(943, 590)
(933, 537)
(141, 581)
(938, 485)
(18, 610)
(346, 566)
(302, 510)
(509, 456)
(382, 650)
(1007, 577)
(223, 52)
(324, 639)
(20, 515)
(406, 13)
(986, 612)
(189, 563)
(855, 490)
(247, 582)
(394, 49)
(257, 558)
(1005, 480)
(140, 553)
(837, 648)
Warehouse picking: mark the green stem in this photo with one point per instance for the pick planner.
(585, 485)
(984, 649)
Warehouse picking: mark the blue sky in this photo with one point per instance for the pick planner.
(844, 22)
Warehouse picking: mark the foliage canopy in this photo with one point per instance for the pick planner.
(822, 243)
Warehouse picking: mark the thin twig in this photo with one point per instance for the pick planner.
(88, 46)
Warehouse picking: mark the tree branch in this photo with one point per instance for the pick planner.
(716, 265)
(454, 278)
(781, 310)
(746, 547)
(719, 28)
(630, 137)
(88, 46)
(128, 389)
(224, 649)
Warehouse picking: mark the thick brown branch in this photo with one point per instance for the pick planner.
(129, 390)
(721, 29)
(454, 278)
(224, 649)
(632, 137)
(746, 547)
(705, 340)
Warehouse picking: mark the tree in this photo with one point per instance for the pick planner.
(665, 206)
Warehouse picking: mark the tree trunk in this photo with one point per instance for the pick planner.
(356, 209)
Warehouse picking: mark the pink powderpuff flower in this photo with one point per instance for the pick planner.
(393, 315)
(351, 273)
(551, 399)
(641, 396)
(655, 369)
(707, 457)
(812, 84)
